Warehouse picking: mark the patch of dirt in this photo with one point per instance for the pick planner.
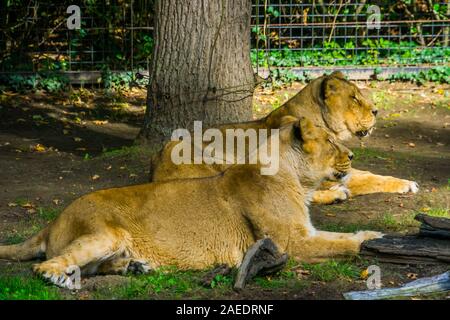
(54, 148)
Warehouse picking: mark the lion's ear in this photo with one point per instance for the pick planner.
(331, 86)
(337, 74)
(304, 130)
(287, 120)
(285, 126)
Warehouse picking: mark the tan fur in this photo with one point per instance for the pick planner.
(330, 102)
(170, 223)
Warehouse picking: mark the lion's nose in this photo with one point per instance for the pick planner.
(374, 112)
(350, 156)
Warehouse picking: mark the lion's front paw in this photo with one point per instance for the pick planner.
(341, 193)
(369, 235)
(56, 273)
(333, 195)
(139, 267)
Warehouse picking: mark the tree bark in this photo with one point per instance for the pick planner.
(201, 68)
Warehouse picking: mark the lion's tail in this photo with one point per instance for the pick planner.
(27, 250)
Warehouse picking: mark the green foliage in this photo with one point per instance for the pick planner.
(20, 288)
(435, 74)
(281, 77)
(41, 81)
(376, 52)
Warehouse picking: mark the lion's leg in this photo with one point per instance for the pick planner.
(86, 250)
(325, 245)
(365, 182)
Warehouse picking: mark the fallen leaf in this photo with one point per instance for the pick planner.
(65, 131)
(95, 177)
(12, 204)
(411, 145)
(31, 211)
(100, 122)
(364, 274)
(77, 139)
(56, 201)
(132, 175)
(38, 148)
(109, 168)
(27, 205)
(330, 215)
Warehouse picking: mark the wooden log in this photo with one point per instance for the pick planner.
(262, 258)
(439, 283)
(408, 250)
(434, 222)
(427, 231)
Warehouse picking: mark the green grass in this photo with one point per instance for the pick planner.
(167, 282)
(124, 151)
(333, 270)
(36, 223)
(48, 214)
(438, 212)
(20, 288)
(23, 233)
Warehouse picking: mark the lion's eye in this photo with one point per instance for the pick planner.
(355, 98)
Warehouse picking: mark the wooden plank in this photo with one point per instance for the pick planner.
(434, 222)
(439, 283)
(408, 250)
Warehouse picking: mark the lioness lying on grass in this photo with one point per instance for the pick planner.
(197, 223)
(330, 102)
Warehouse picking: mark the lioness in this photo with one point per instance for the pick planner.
(329, 101)
(196, 223)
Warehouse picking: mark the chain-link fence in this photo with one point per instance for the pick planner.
(114, 35)
(350, 33)
(118, 35)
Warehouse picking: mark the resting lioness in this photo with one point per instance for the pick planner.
(197, 223)
(329, 101)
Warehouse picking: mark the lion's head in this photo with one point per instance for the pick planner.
(348, 112)
(318, 151)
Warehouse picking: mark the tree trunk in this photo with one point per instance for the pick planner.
(201, 67)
